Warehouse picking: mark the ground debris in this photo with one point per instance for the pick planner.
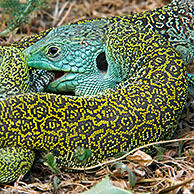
(169, 172)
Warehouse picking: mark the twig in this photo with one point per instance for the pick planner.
(132, 151)
(65, 16)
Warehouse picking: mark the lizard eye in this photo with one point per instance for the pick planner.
(53, 51)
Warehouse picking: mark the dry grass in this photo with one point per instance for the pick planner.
(172, 172)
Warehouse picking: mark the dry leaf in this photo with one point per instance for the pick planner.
(141, 158)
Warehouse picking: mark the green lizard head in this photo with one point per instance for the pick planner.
(77, 55)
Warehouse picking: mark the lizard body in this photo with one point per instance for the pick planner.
(148, 95)
(141, 109)
(14, 80)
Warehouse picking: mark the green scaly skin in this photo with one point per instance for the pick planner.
(80, 60)
(143, 108)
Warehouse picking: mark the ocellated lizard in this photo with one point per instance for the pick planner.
(81, 63)
(143, 108)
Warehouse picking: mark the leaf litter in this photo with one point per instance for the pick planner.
(171, 170)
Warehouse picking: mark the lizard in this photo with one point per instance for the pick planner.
(143, 108)
(14, 80)
(14, 75)
(86, 72)
(38, 78)
(117, 120)
(18, 80)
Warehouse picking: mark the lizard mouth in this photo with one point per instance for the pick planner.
(40, 78)
(40, 74)
(58, 74)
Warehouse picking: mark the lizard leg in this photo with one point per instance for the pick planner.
(14, 161)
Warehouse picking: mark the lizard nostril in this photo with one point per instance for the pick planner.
(101, 61)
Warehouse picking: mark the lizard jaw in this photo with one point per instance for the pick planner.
(40, 78)
(63, 82)
(58, 74)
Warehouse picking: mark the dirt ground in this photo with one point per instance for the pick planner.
(172, 171)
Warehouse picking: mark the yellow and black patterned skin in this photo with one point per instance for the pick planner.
(143, 108)
(15, 161)
(174, 21)
(14, 75)
(14, 80)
